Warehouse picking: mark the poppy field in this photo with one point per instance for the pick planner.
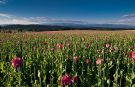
(67, 59)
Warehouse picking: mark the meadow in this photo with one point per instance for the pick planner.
(67, 59)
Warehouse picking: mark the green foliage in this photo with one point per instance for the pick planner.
(44, 63)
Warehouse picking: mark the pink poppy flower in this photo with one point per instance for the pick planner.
(17, 62)
(60, 46)
(107, 45)
(87, 61)
(75, 59)
(99, 61)
(132, 56)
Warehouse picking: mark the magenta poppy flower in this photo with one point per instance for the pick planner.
(74, 79)
(66, 80)
(17, 62)
(75, 59)
(99, 61)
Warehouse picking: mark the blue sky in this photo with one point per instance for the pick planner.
(49, 11)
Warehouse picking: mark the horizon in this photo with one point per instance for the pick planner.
(68, 11)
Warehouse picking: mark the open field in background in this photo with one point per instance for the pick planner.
(68, 58)
(89, 31)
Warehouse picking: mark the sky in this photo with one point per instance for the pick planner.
(67, 11)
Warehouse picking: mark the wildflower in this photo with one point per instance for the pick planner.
(99, 61)
(107, 45)
(87, 61)
(66, 80)
(17, 62)
(59, 45)
(132, 56)
(74, 79)
(76, 58)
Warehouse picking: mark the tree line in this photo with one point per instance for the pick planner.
(38, 28)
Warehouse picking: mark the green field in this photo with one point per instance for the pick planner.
(67, 58)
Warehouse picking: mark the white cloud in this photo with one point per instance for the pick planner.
(3, 1)
(40, 20)
(12, 19)
(68, 21)
(129, 16)
(128, 19)
(5, 15)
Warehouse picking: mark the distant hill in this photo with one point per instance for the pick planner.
(86, 25)
(67, 26)
(32, 27)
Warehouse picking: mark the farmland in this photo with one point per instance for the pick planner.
(68, 58)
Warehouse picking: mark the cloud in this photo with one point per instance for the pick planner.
(129, 16)
(128, 19)
(13, 19)
(3, 1)
(67, 21)
(39, 20)
(5, 15)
